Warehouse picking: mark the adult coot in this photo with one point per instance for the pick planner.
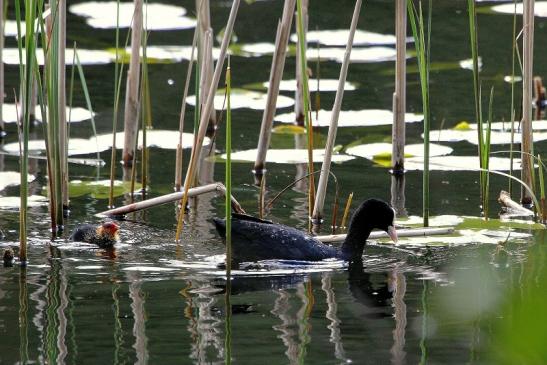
(104, 235)
(256, 239)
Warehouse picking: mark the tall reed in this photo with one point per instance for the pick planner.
(228, 182)
(117, 87)
(306, 103)
(423, 53)
(512, 111)
(26, 73)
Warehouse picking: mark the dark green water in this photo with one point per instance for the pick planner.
(152, 301)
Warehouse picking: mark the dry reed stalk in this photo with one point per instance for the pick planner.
(333, 127)
(276, 74)
(528, 62)
(131, 124)
(399, 96)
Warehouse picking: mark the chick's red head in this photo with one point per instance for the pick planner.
(110, 228)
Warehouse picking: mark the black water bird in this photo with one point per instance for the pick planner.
(254, 239)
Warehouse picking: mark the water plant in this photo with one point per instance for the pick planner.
(423, 55)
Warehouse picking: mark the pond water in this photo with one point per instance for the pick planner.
(150, 300)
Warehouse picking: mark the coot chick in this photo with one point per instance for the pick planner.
(104, 235)
(255, 239)
(8, 257)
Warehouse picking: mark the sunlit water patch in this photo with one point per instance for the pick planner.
(86, 56)
(339, 37)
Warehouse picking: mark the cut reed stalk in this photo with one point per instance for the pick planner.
(399, 96)
(276, 74)
(117, 87)
(178, 163)
(2, 25)
(228, 211)
(346, 210)
(132, 86)
(526, 126)
(206, 112)
(333, 127)
(164, 199)
(301, 20)
(299, 92)
(205, 42)
(512, 111)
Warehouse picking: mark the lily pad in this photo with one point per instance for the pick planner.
(78, 114)
(434, 221)
(155, 16)
(14, 202)
(324, 85)
(254, 49)
(382, 151)
(100, 189)
(353, 118)
(358, 55)
(12, 178)
(164, 54)
(339, 37)
(78, 146)
(86, 56)
(459, 163)
(286, 156)
(241, 98)
(540, 9)
(165, 139)
(288, 129)
(471, 136)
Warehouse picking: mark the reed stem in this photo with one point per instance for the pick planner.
(276, 74)
(228, 170)
(333, 127)
(399, 96)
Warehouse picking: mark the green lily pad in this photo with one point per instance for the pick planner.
(241, 98)
(100, 189)
(288, 129)
(102, 14)
(352, 118)
(162, 54)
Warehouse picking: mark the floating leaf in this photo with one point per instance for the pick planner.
(468, 64)
(9, 113)
(540, 9)
(382, 151)
(324, 85)
(496, 137)
(12, 178)
(241, 98)
(289, 129)
(100, 189)
(353, 118)
(87, 56)
(155, 16)
(460, 163)
(462, 126)
(78, 146)
(254, 49)
(163, 54)
(358, 55)
(290, 156)
(339, 37)
(13, 202)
